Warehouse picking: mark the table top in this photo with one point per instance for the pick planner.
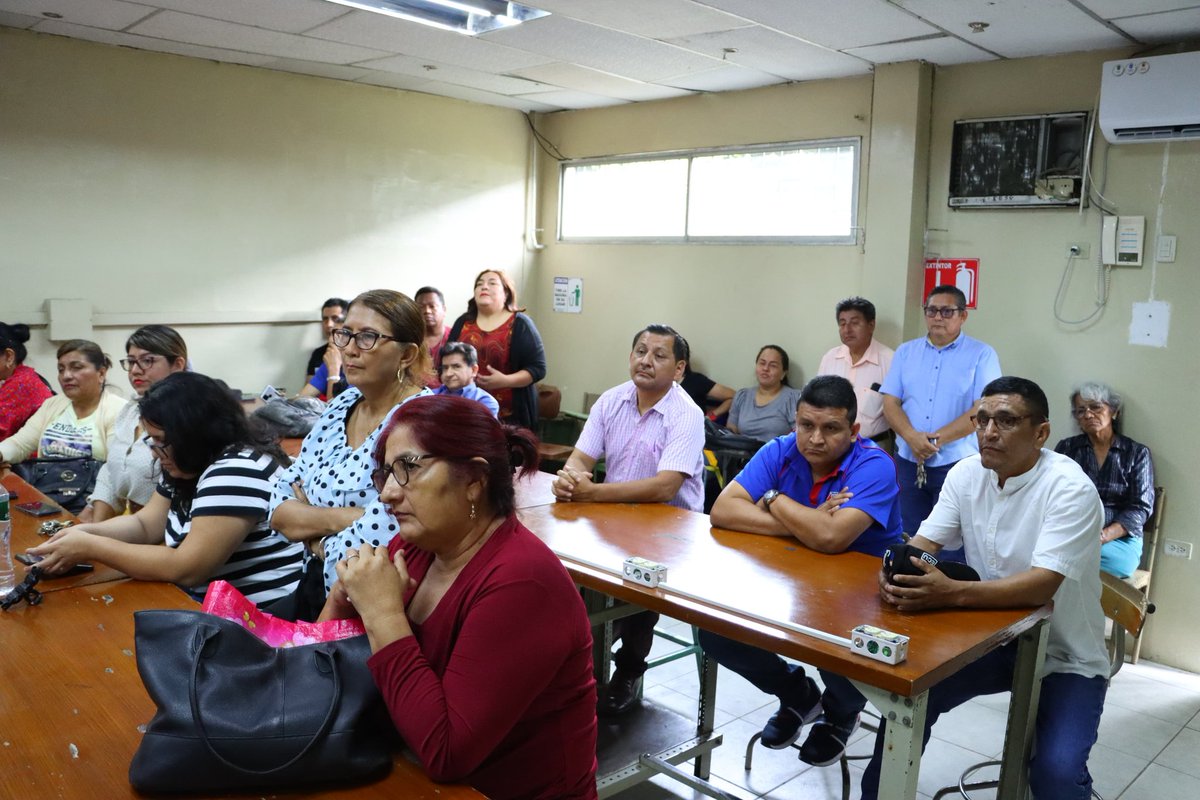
(534, 490)
(25, 535)
(745, 585)
(73, 701)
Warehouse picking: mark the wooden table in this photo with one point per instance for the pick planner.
(535, 490)
(761, 589)
(71, 699)
(25, 535)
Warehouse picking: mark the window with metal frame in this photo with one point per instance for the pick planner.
(794, 192)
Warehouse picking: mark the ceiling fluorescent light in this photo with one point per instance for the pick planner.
(470, 17)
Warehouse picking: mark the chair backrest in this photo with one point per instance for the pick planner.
(1127, 607)
(1151, 528)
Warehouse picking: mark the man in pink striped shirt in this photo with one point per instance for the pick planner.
(651, 436)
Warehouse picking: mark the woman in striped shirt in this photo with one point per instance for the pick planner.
(208, 519)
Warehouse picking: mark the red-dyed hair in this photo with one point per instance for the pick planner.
(460, 429)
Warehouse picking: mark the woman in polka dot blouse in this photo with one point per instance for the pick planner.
(326, 497)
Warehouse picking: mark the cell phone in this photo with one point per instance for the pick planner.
(29, 560)
(38, 508)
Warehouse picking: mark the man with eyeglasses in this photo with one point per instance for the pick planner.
(1029, 520)
(928, 398)
(324, 378)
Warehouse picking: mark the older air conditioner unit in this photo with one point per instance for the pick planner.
(1152, 99)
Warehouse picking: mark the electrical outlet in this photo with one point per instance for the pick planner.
(1177, 549)
(1078, 249)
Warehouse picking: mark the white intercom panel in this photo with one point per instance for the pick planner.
(1122, 240)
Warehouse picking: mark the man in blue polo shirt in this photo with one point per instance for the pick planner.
(929, 396)
(458, 364)
(832, 491)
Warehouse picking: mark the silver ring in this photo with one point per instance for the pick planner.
(352, 555)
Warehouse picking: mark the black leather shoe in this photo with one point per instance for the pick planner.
(622, 695)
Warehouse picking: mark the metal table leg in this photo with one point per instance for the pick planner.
(902, 741)
(1022, 713)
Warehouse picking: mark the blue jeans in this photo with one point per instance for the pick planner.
(1068, 722)
(1121, 557)
(915, 504)
(770, 673)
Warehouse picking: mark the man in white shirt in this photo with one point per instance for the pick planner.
(862, 361)
(1029, 520)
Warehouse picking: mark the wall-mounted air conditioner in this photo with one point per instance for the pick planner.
(1152, 99)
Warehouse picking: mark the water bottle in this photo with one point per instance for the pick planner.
(8, 579)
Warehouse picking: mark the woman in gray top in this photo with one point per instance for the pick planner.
(769, 409)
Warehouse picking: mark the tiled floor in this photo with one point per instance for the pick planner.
(1149, 746)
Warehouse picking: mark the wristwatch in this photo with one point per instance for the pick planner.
(769, 497)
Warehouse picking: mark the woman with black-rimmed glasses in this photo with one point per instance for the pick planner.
(130, 474)
(207, 520)
(481, 645)
(326, 498)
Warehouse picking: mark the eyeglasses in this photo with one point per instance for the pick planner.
(145, 362)
(363, 340)
(1095, 409)
(945, 312)
(159, 449)
(1005, 423)
(400, 469)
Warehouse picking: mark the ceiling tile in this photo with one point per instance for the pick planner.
(846, 23)
(573, 76)
(661, 19)
(941, 50)
(393, 80)
(1169, 26)
(421, 41)
(59, 28)
(566, 99)
(621, 54)
(1019, 28)
(335, 71)
(775, 53)
(111, 14)
(11, 20)
(521, 103)
(451, 74)
(729, 77)
(289, 16)
(216, 33)
(1127, 8)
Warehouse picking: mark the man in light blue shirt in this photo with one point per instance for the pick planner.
(929, 396)
(459, 364)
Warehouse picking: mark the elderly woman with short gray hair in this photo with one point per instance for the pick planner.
(1121, 469)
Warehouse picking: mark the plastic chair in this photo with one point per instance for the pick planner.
(1128, 608)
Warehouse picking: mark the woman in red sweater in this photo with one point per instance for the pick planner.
(481, 644)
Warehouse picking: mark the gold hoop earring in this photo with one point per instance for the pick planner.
(402, 377)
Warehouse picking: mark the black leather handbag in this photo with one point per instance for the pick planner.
(236, 714)
(67, 481)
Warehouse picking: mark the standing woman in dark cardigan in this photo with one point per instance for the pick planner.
(511, 357)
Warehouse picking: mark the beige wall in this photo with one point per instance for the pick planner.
(727, 300)
(176, 190)
(730, 300)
